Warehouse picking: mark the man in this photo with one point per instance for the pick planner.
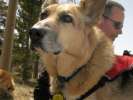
(119, 76)
(111, 23)
(112, 20)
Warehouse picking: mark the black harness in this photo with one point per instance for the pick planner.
(100, 84)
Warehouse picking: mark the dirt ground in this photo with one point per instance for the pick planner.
(23, 92)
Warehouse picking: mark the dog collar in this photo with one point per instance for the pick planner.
(63, 80)
(100, 83)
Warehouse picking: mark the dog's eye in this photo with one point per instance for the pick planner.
(44, 15)
(66, 18)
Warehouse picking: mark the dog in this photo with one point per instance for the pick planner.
(6, 85)
(75, 51)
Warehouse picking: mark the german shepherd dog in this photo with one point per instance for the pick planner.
(75, 51)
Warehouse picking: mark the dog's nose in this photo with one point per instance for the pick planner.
(35, 34)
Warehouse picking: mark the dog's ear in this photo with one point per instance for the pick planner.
(48, 2)
(92, 9)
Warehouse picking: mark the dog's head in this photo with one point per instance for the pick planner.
(67, 32)
(65, 27)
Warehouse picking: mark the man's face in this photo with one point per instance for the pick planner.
(113, 24)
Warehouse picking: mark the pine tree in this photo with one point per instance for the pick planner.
(28, 13)
(8, 35)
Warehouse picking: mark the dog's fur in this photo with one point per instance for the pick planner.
(66, 37)
(6, 85)
(119, 89)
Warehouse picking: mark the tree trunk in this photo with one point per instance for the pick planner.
(8, 36)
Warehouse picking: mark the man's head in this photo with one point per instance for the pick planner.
(112, 20)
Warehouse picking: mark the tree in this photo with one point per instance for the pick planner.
(8, 39)
(28, 13)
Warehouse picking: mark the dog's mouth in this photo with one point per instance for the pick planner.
(45, 39)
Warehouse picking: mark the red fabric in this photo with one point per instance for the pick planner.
(121, 64)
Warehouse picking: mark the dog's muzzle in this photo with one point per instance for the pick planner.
(46, 39)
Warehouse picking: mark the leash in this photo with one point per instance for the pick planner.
(100, 84)
(63, 80)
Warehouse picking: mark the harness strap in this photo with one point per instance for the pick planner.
(100, 84)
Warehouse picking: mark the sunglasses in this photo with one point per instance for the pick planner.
(116, 24)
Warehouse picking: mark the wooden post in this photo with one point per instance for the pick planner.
(8, 36)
